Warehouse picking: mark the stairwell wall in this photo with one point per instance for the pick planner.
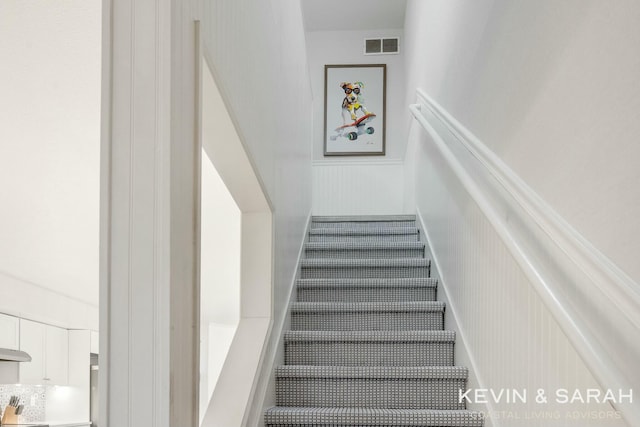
(49, 160)
(257, 55)
(353, 185)
(550, 88)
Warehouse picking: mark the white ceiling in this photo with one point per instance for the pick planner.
(338, 15)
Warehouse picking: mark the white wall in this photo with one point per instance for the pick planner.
(220, 250)
(550, 88)
(505, 334)
(257, 55)
(357, 185)
(215, 341)
(346, 47)
(49, 149)
(219, 277)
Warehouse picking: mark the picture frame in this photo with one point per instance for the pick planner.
(355, 109)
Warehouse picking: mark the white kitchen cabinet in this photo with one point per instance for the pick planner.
(32, 341)
(49, 350)
(56, 361)
(9, 332)
(79, 359)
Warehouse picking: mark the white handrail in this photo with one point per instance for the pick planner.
(601, 269)
(623, 292)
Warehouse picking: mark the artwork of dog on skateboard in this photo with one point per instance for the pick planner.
(355, 115)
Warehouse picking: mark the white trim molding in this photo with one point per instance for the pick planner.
(595, 303)
(149, 214)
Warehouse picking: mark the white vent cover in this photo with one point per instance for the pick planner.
(382, 46)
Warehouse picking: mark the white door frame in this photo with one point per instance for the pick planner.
(149, 213)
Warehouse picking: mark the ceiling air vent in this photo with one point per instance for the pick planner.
(387, 46)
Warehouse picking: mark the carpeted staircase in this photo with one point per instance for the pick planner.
(367, 345)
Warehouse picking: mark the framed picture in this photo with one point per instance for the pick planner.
(354, 109)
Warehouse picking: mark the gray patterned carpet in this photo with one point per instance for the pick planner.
(367, 345)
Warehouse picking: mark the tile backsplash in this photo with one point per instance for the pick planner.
(33, 397)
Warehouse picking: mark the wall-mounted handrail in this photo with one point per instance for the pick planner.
(622, 292)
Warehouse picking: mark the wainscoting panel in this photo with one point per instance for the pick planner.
(358, 188)
(511, 339)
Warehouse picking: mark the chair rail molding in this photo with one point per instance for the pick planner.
(582, 288)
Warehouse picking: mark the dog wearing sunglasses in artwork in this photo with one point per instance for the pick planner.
(352, 101)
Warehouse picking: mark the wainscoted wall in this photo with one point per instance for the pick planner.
(551, 89)
(358, 188)
(507, 335)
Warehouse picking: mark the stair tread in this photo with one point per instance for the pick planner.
(372, 372)
(413, 282)
(363, 218)
(363, 245)
(370, 336)
(399, 306)
(348, 358)
(364, 262)
(372, 416)
(363, 231)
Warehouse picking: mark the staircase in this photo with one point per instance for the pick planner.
(367, 345)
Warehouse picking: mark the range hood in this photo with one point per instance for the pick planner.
(8, 355)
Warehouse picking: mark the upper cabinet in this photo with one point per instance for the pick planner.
(32, 341)
(56, 350)
(49, 350)
(79, 358)
(9, 332)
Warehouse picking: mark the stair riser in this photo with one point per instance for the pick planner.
(390, 294)
(336, 238)
(367, 321)
(356, 422)
(369, 353)
(364, 253)
(358, 417)
(362, 272)
(361, 224)
(441, 393)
